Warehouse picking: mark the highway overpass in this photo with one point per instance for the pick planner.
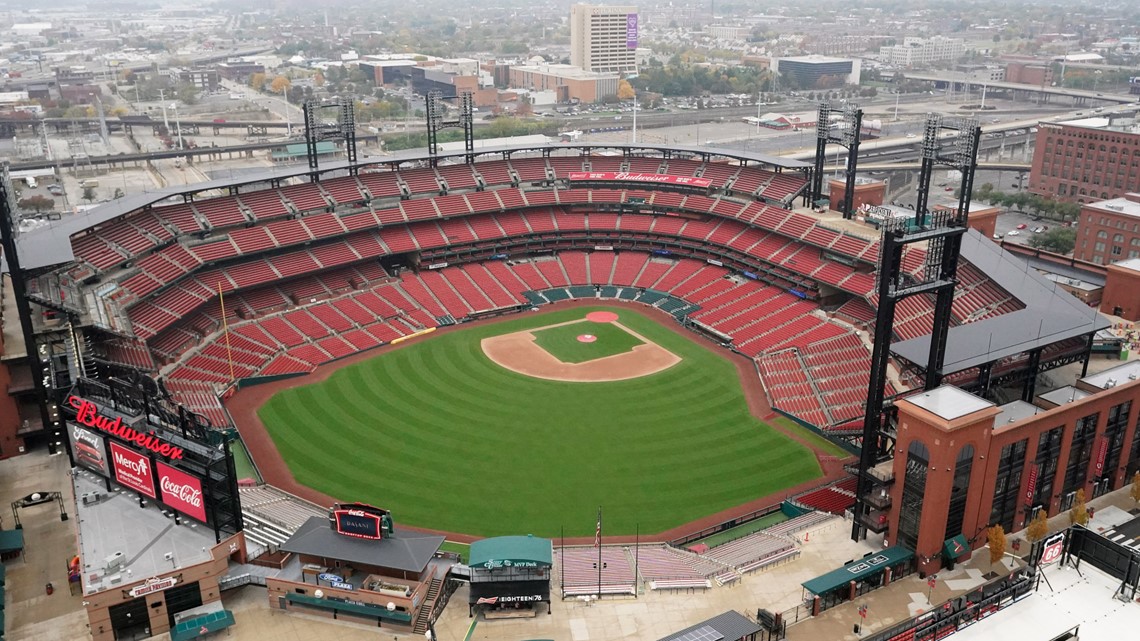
(959, 79)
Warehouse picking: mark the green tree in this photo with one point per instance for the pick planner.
(1135, 491)
(1059, 240)
(36, 203)
(88, 193)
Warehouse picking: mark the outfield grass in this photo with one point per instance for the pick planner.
(243, 465)
(722, 537)
(562, 341)
(446, 439)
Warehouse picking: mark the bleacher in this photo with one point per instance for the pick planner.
(835, 499)
(271, 515)
(753, 552)
(579, 571)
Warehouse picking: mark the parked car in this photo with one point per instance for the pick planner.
(1013, 232)
(1022, 226)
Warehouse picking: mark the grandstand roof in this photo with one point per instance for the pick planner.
(1051, 314)
(512, 550)
(729, 626)
(404, 550)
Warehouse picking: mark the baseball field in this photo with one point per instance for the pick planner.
(451, 439)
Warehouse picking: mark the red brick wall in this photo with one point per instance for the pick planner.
(1097, 174)
(1120, 297)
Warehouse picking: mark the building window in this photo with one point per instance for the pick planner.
(1134, 455)
(1114, 433)
(1102, 234)
(1100, 247)
(1048, 451)
(1080, 451)
(914, 491)
(1116, 251)
(1118, 238)
(1007, 486)
(957, 512)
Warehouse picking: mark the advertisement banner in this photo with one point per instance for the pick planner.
(88, 448)
(631, 31)
(1100, 456)
(627, 176)
(1031, 486)
(181, 491)
(132, 469)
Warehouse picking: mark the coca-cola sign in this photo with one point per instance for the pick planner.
(181, 491)
(132, 469)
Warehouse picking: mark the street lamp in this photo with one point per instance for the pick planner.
(1096, 79)
(177, 123)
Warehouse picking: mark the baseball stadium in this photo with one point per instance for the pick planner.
(502, 341)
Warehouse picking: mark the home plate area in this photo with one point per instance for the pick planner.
(597, 348)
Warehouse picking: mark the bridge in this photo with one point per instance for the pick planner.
(904, 166)
(1081, 94)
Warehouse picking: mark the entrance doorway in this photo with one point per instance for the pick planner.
(130, 621)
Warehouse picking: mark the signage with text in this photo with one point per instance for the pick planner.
(631, 31)
(358, 523)
(132, 469)
(637, 177)
(331, 578)
(869, 563)
(181, 491)
(1100, 455)
(1052, 549)
(493, 564)
(88, 448)
(87, 415)
(522, 598)
(340, 585)
(1031, 486)
(153, 585)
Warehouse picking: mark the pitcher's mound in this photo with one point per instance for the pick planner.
(601, 317)
(587, 338)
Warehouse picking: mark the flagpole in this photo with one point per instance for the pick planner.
(226, 329)
(562, 572)
(636, 555)
(598, 543)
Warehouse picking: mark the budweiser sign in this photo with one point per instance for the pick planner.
(181, 491)
(638, 177)
(87, 414)
(132, 469)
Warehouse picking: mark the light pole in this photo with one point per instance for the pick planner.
(896, 118)
(633, 140)
(289, 123)
(177, 123)
(1096, 79)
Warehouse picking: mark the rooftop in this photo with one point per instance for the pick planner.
(121, 543)
(948, 402)
(1123, 373)
(404, 550)
(1015, 411)
(565, 71)
(1063, 395)
(1131, 263)
(815, 59)
(729, 626)
(1117, 206)
(512, 550)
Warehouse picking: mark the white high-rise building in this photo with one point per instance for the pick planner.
(920, 51)
(604, 38)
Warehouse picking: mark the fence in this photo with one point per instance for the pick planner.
(726, 525)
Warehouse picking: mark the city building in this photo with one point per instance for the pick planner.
(1038, 74)
(1120, 286)
(982, 73)
(965, 463)
(812, 72)
(570, 83)
(604, 38)
(1088, 159)
(239, 70)
(922, 51)
(204, 78)
(1109, 230)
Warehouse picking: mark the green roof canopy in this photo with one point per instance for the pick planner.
(955, 547)
(858, 570)
(512, 551)
(202, 625)
(11, 541)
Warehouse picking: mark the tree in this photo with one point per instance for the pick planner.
(36, 203)
(318, 80)
(1038, 527)
(280, 84)
(89, 193)
(996, 536)
(1079, 514)
(257, 81)
(1059, 240)
(625, 90)
(1135, 491)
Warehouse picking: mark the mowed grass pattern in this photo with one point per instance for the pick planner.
(562, 341)
(446, 439)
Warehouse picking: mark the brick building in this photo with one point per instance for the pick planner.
(1120, 286)
(1038, 74)
(1109, 230)
(963, 463)
(1087, 160)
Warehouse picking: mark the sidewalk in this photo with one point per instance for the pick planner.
(908, 597)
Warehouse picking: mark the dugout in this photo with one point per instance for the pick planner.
(876, 569)
(510, 576)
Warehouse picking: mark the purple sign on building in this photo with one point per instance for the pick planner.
(631, 31)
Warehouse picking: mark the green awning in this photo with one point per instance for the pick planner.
(354, 608)
(858, 570)
(202, 625)
(11, 541)
(512, 551)
(3, 571)
(955, 547)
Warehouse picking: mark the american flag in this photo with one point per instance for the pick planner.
(598, 531)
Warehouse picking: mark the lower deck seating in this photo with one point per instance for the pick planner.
(578, 567)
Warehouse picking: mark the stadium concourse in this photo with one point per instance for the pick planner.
(310, 272)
